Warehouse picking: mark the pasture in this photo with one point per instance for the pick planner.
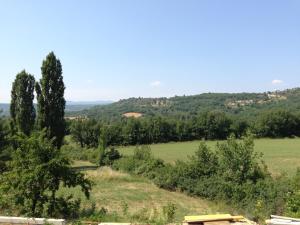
(280, 155)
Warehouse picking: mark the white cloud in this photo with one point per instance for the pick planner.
(156, 83)
(277, 82)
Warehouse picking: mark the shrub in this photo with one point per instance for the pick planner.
(142, 153)
(108, 156)
(127, 164)
(78, 153)
(233, 173)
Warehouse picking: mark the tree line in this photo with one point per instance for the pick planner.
(32, 166)
(212, 125)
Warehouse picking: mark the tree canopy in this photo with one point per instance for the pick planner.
(51, 102)
(22, 110)
(35, 173)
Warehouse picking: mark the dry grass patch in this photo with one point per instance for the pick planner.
(113, 189)
(132, 114)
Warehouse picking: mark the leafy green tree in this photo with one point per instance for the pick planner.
(36, 172)
(4, 150)
(108, 156)
(85, 132)
(278, 123)
(213, 125)
(102, 147)
(3, 132)
(239, 161)
(204, 162)
(51, 102)
(239, 127)
(77, 132)
(131, 131)
(22, 110)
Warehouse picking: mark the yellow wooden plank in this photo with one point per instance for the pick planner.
(207, 217)
(215, 217)
(238, 218)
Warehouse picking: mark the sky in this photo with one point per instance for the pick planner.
(115, 49)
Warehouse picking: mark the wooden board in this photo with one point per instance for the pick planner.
(217, 223)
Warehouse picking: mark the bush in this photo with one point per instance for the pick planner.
(166, 178)
(109, 156)
(141, 162)
(233, 173)
(142, 153)
(127, 164)
(78, 153)
(68, 208)
(35, 174)
(293, 200)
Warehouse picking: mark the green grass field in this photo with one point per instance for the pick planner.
(280, 155)
(112, 189)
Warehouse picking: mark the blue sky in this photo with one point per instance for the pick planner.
(119, 49)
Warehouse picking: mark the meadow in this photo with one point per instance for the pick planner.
(134, 198)
(131, 197)
(280, 155)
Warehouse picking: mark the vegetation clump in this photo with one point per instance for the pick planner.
(232, 173)
(21, 108)
(33, 167)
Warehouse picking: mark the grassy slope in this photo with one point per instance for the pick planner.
(111, 189)
(281, 155)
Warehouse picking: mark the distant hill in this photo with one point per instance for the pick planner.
(100, 102)
(82, 105)
(245, 104)
(70, 106)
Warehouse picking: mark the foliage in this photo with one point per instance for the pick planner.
(244, 105)
(85, 132)
(35, 174)
(108, 156)
(293, 205)
(275, 152)
(102, 147)
(214, 125)
(208, 116)
(50, 97)
(239, 162)
(293, 201)
(22, 110)
(78, 153)
(278, 123)
(5, 150)
(233, 172)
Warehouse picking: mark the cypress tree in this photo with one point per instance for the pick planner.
(22, 110)
(51, 102)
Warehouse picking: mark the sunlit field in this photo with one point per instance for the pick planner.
(280, 155)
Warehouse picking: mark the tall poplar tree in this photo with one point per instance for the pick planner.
(22, 110)
(51, 102)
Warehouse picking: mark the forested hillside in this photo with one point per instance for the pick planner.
(70, 106)
(244, 104)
